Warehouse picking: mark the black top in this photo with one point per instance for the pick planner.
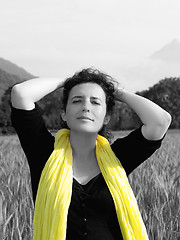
(92, 214)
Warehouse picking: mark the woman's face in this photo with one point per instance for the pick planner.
(86, 108)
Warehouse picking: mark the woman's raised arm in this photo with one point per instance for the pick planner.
(25, 94)
(155, 119)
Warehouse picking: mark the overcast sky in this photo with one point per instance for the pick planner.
(58, 37)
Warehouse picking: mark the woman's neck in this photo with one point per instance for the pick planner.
(85, 165)
(83, 145)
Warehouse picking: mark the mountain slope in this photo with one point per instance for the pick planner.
(7, 80)
(169, 53)
(13, 69)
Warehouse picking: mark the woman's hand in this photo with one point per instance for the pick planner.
(118, 93)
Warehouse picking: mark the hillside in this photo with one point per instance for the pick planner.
(6, 81)
(13, 69)
(11, 74)
(169, 53)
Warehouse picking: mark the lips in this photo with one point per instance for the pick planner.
(85, 118)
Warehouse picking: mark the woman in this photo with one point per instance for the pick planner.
(83, 191)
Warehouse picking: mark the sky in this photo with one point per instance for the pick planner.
(55, 38)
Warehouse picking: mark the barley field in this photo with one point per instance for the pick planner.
(156, 184)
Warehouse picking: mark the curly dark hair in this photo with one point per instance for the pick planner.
(94, 76)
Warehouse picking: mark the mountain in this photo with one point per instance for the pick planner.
(13, 69)
(7, 80)
(11, 74)
(146, 72)
(169, 53)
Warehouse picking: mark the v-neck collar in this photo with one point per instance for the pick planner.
(88, 184)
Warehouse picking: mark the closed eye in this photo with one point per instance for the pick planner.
(76, 101)
(95, 102)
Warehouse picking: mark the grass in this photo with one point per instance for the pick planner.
(16, 203)
(156, 184)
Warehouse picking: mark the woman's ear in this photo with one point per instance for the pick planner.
(63, 116)
(107, 119)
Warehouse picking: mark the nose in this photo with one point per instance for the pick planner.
(86, 107)
(85, 110)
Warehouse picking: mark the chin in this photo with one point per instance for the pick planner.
(85, 128)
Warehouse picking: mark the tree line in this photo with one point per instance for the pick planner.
(166, 93)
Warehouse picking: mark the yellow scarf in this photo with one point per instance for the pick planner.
(55, 189)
